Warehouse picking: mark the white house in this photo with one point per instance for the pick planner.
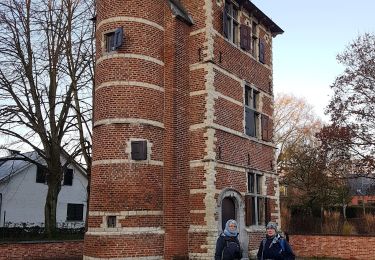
(23, 191)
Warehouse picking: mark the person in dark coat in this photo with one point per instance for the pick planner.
(274, 246)
(227, 245)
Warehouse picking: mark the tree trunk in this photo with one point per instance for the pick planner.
(50, 210)
(344, 211)
(322, 220)
(363, 206)
(54, 187)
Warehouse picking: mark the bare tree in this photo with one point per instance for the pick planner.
(353, 104)
(46, 61)
(294, 121)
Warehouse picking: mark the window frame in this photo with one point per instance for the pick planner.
(73, 217)
(41, 175)
(262, 51)
(258, 200)
(113, 40)
(252, 99)
(254, 39)
(109, 41)
(70, 179)
(232, 23)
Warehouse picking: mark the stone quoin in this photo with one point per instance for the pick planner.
(182, 139)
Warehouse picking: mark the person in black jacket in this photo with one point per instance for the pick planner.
(274, 246)
(227, 245)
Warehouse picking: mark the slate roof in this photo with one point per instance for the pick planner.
(362, 186)
(10, 165)
(262, 17)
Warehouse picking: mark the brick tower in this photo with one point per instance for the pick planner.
(182, 128)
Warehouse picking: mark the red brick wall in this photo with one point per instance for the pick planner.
(366, 199)
(344, 247)
(197, 99)
(128, 88)
(176, 139)
(42, 250)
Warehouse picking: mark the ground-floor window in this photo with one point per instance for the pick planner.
(74, 212)
(257, 205)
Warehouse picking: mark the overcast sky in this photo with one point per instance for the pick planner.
(314, 33)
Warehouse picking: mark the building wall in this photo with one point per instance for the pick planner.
(359, 200)
(23, 199)
(341, 247)
(181, 88)
(68, 250)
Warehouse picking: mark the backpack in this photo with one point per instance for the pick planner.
(283, 246)
(232, 249)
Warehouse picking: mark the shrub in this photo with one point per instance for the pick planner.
(33, 233)
(348, 229)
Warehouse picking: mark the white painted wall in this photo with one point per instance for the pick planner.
(23, 198)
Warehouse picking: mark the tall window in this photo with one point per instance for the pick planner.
(230, 22)
(262, 51)
(74, 212)
(254, 39)
(68, 177)
(255, 201)
(41, 175)
(252, 115)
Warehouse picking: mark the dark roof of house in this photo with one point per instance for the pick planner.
(180, 11)
(10, 164)
(262, 18)
(362, 186)
(14, 163)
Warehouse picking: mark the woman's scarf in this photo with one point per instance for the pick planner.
(228, 232)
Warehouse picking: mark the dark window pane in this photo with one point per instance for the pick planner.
(261, 51)
(260, 211)
(109, 41)
(225, 22)
(247, 96)
(254, 28)
(139, 150)
(75, 212)
(258, 184)
(68, 177)
(253, 213)
(250, 119)
(251, 182)
(111, 221)
(265, 128)
(41, 175)
(249, 209)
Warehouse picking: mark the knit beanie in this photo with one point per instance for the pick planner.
(272, 225)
